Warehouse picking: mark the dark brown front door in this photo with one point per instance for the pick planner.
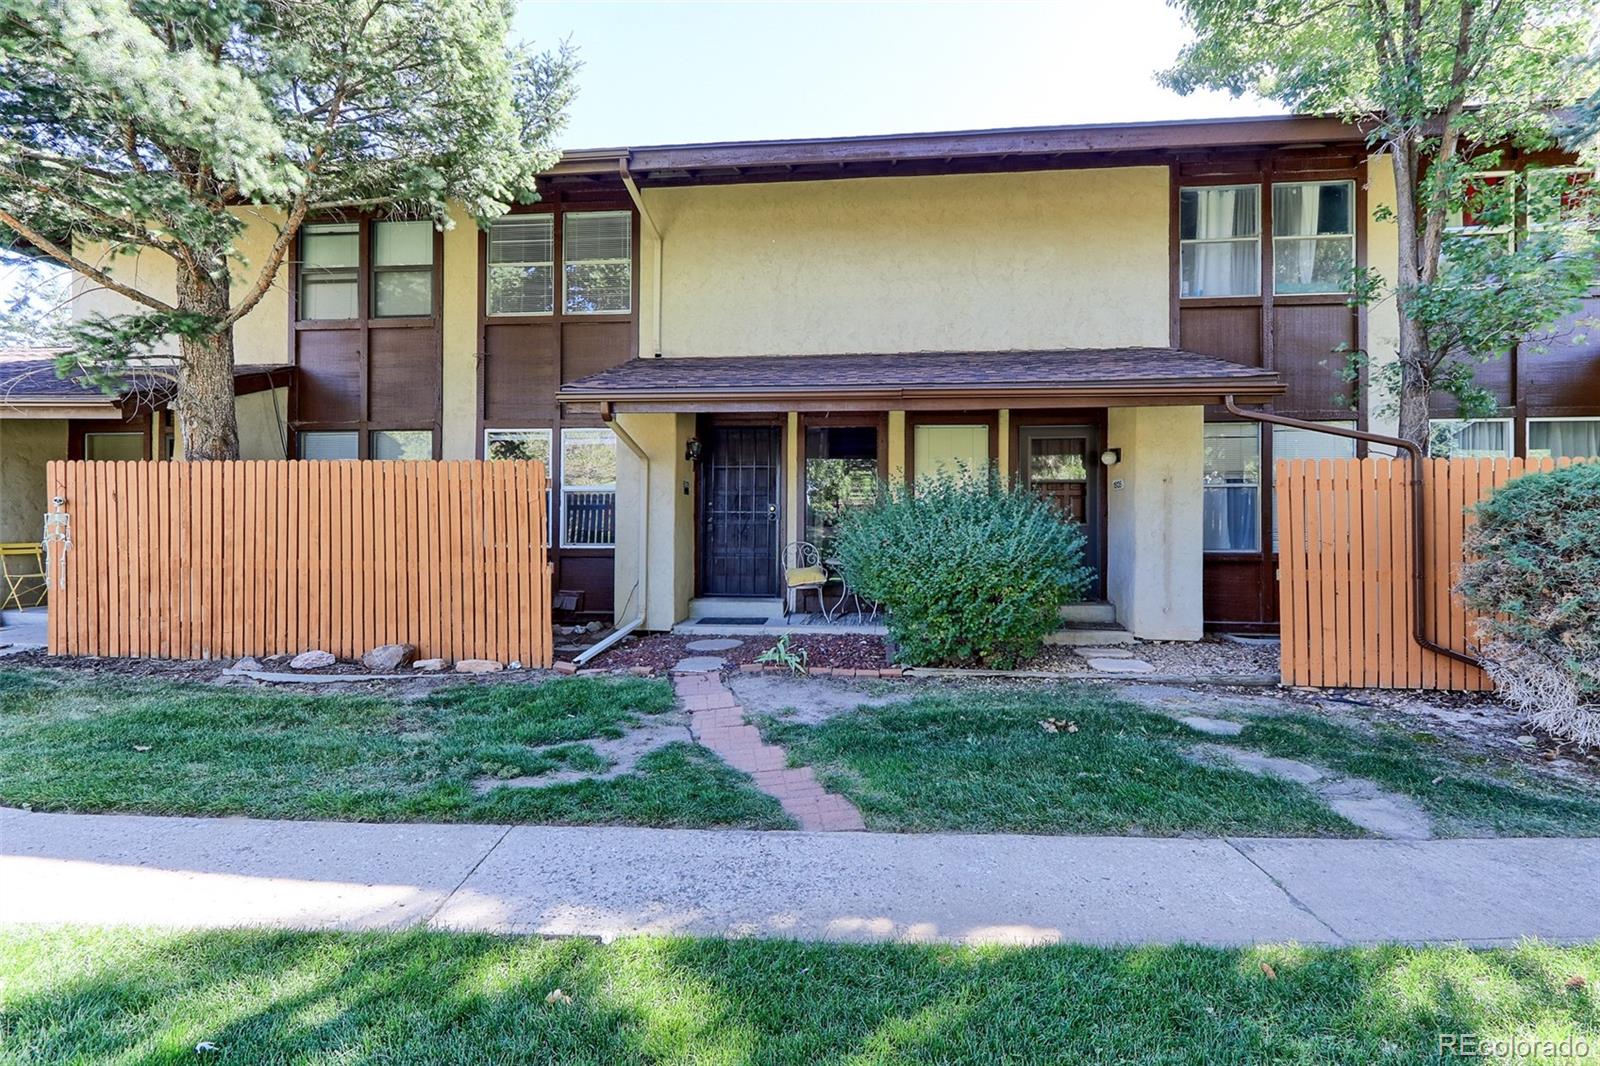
(1062, 464)
(739, 514)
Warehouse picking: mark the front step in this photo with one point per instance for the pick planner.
(1096, 611)
(1089, 635)
(731, 607)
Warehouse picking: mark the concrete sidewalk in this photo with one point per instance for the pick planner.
(606, 882)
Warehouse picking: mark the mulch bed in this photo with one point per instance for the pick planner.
(662, 651)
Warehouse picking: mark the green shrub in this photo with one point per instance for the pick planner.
(969, 570)
(1535, 576)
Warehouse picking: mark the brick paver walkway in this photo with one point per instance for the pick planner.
(717, 721)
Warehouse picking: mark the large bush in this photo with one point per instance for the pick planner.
(968, 569)
(1536, 578)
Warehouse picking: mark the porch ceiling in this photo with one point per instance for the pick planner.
(1083, 377)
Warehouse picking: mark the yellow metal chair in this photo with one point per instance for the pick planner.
(22, 570)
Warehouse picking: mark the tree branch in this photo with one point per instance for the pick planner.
(65, 257)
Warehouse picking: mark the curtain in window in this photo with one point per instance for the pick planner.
(1471, 440)
(1219, 231)
(1232, 498)
(1570, 438)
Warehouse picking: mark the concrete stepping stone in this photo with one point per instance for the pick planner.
(699, 664)
(1217, 727)
(1104, 653)
(714, 644)
(1121, 666)
(1355, 799)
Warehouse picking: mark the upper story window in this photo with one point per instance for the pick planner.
(597, 262)
(329, 261)
(522, 270)
(402, 269)
(1219, 241)
(1562, 197)
(1489, 211)
(1313, 237)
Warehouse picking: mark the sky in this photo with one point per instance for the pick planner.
(672, 72)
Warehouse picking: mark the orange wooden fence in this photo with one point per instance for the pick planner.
(1345, 564)
(222, 559)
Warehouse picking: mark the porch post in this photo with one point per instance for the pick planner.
(1155, 517)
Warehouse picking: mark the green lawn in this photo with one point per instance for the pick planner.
(91, 996)
(1464, 794)
(68, 742)
(977, 760)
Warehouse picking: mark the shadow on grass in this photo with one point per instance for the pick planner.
(262, 997)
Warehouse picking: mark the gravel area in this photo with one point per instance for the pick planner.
(661, 651)
(1197, 658)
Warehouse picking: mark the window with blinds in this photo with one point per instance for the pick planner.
(1219, 241)
(522, 269)
(329, 260)
(597, 262)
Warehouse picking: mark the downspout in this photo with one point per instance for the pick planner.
(644, 216)
(1419, 547)
(609, 417)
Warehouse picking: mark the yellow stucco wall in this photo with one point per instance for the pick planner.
(25, 446)
(460, 337)
(262, 336)
(668, 581)
(1383, 319)
(1074, 258)
(1154, 517)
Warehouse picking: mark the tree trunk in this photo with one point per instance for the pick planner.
(209, 423)
(1415, 382)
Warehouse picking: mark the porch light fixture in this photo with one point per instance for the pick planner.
(692, 452)
(1111, 457)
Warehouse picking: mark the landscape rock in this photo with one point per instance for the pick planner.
(1121, 666)
(593, 627)
(432, 666)
(312, 660)
(387, 657)
(247, 663)
(564, 667)
(478, 666)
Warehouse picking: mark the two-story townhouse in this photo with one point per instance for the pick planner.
(704, 342)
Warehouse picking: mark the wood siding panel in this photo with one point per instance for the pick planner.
(329, 388)
(406, 377)
(1231, 333)
(1305, 339)
(520, 373)
(277, 557)
(590, 347)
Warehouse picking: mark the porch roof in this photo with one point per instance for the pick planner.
(1086, 377)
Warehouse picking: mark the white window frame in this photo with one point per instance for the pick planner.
(1182, 243)
(1509, 231)
(579, 432)
(1528, 182)
(1509, 423)
(310, 272)
(1349, 237)
(566, 308)
(1527, 430)
(489, 264)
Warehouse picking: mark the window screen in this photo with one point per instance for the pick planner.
(328, 262)
(1219, 235)
(1313, 237)
(402, 269)
(330, 444)
(1481, 438)
(1232, 507)
(597, 262)
(1563, 438)
(521, 277)
(401, 444)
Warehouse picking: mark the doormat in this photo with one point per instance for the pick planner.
(717, 621)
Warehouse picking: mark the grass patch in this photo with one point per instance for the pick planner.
(1457, 790)
(75, 743)
(83, 995)
(977, 760)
